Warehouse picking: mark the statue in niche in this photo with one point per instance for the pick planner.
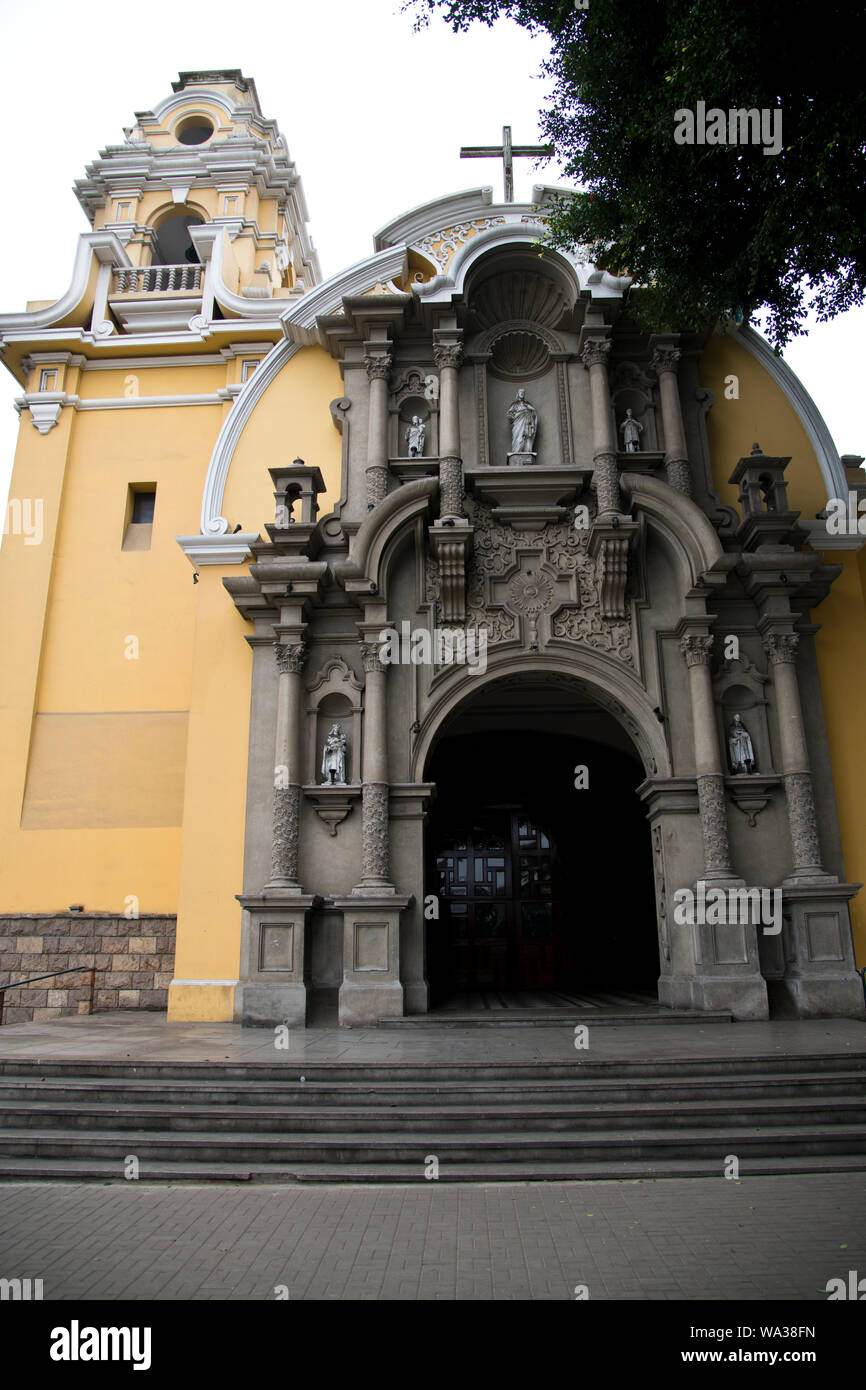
(631, 431)
(740, 749)
(524, 424)
(415, 436)
(334, 757)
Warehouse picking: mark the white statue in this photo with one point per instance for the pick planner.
(631, 430)
(415, 436)
(740, 749)
(524, 423)
(334, 757)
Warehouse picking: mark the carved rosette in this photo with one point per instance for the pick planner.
(606, 479)
(291, 657)
(805, 846)
(781, 648)
(374, 814)
(596, 352)
(378, 365)
(451, 490)
(377, 485)
(697, 649)
(448, 355)
(370, 655)
(714, 824)
(284, 855)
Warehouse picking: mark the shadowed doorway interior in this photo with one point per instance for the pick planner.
(545, 890)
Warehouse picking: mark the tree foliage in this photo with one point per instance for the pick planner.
(707, 230)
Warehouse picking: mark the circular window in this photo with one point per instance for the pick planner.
(194, 131)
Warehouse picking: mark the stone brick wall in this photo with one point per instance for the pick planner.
(134, 962)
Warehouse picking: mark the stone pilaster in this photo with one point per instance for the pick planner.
(665, 361)
(374, 806)
(287, 780)
(696, 649)
(378, 365)
(448, 356)
(781, 650)
(595, 355)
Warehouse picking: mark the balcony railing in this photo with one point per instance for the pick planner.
(158, 279)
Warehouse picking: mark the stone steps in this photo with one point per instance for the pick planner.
(495, 1116)
(398, 1095)
(552, 1018)
(378, 1122)
(634, 1170)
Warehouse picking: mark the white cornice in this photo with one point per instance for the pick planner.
(218, 550)
(810, 416)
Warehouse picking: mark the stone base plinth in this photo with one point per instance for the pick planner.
(820, 979)
(745, 997)
(371, 987)
(520, 460)
(272, 988)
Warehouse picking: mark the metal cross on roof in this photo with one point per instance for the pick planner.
(507, 152)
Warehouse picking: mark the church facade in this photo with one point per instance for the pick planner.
(423, 632)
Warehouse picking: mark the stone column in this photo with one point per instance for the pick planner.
(378, 366)
(781, 649)
(696, 649)
(594, 356)
(448, 357)
(677, 467)
(287, 773)
(375, 877)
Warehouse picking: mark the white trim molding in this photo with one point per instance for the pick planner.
(218, 550)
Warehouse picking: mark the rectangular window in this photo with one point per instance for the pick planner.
(48, 379)
(248, 366)
(138, 525)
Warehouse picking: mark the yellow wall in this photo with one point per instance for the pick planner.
(763, 414)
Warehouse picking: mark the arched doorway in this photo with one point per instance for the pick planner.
(174, 244)
(545, 888)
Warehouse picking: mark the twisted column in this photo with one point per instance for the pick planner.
(287, 780)
(594, 356)
(374, 796)
(696, 649)
(378, 367)
(781, 649)
(677, 467)
(448, 357)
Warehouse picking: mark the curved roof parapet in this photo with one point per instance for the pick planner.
(810, 416)
(299, 320)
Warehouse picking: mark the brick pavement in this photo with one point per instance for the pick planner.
(756, 1239)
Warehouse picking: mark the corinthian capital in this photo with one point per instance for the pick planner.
(371, 656)
(378, 365)
(781, 647)
(666, 359)
(595, 351)
(447, 354)
(290, 657)
(697, 648)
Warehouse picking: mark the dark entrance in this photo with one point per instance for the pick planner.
(541, 886)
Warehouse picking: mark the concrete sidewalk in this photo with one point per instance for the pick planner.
(756, 1239)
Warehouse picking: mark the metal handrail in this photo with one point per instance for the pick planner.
(71, 970)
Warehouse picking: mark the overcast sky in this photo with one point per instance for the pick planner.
(374, 115)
